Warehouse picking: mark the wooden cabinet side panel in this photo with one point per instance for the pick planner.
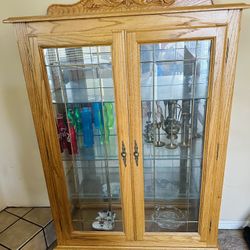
(45, 131)
(211, 133)
(227, 88)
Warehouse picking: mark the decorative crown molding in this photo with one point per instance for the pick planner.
(106, 6)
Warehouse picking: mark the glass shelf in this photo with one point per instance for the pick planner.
(83, 217)
(98, 152)
(176, 51)
(163, 153)
(82, 91)
(174, 93)
(83, 56)
(83, 95)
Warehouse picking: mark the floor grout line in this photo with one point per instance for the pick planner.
(26, 242)
(4, 246)
(2, 210)
(27, 212)
(41, 228)
(44, 235)
(10, 225)
(18, 215)
(19, 218)
(32, 222)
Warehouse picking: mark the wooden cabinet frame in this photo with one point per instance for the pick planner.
(218, 36)
(124, 29)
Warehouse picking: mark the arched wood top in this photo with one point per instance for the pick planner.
(111, 6)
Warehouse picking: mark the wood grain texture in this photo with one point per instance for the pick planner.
(134, 91)
(43, 118)
(124, 32)
(218, 35)
(197, 8)
(120, 88)
(121, 100)
(227, 88)
(94, 27)
(75, 39)
(109, 6)
(184, 240)
(129, 248)
(176, 35)
(211, 133)
(150, 240)
(173, 241)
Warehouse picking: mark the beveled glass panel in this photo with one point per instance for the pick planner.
(82, 93)
(174, 92)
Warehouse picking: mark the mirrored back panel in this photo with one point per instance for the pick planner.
(174, 92)
(82, 93)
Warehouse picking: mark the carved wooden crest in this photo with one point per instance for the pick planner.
(111, 6)
(106, 6)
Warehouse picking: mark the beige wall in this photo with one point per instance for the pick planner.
(21, 178)
(2, 200)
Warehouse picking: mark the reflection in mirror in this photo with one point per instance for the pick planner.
(174, 92)
(82, 93)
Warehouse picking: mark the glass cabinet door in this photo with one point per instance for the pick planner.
(82, 92)
(174, 80)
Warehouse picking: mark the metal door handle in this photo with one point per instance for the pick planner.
(136, 154)
(124, 154)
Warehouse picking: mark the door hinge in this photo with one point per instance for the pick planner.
(217, 151)
(227, 51)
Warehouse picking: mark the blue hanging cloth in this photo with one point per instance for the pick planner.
(87, 127)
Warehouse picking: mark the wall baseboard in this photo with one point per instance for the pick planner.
(232, 224)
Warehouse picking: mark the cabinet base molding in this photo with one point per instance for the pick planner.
(131, 248)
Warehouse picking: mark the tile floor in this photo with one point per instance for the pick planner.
(232, 240)
(26, 229)
(33, 229)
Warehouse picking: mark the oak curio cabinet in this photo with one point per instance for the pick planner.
(131, 101)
